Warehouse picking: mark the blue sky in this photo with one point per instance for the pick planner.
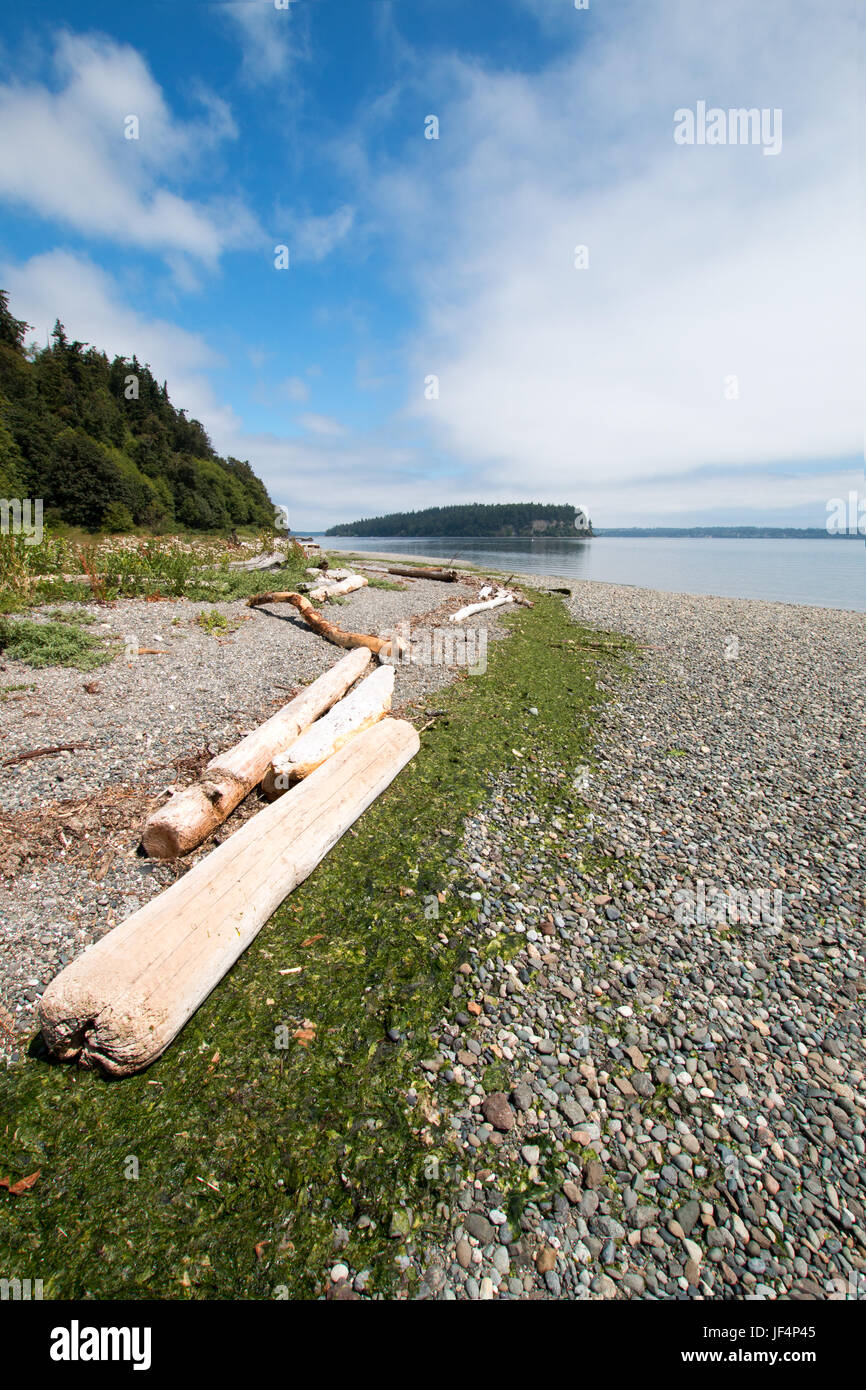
(410, 258)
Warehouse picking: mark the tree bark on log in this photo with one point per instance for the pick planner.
(120, 1004)
(369, 702)
(420, 572)
(319, 623)
(193, 814)
(343, 586)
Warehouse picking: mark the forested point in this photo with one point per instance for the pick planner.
(101, 443)
(474, 519)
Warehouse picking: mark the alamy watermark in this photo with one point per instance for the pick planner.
(738, 125)
(709, 905)
(847, 516)
(20, 516)
(20, 1290)
(438, 646)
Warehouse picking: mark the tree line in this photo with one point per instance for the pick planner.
(473, 519)
(101, 443)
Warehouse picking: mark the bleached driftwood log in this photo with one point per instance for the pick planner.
(274, 561)
(120, 1004)
(319, 623)
(194, 813)
(504, 596)
(344, 586)
(369, 702)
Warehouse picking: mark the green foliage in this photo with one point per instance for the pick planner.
(53, 644)
(92, 436)
(117, 518)
(476, 519)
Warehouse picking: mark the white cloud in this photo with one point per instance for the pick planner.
(323, 425)
(294, 389)
(66, 158)
(266, 35)
(704, 263)
(314, 238)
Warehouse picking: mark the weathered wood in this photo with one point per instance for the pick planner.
(273, 561)
(422, 572)
(369, 702)
(504, 596)
(194, 813)
(343, 586)
(323, 572)
(319, 623)
(120, 1004)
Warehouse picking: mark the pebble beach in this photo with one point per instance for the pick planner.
(693, 1022)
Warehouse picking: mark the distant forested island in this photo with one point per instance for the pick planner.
(474, 519)
(101, 443)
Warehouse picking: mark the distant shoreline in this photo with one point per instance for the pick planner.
(746, 533)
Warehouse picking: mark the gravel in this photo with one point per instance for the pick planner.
(685, 1061)
(70, 823)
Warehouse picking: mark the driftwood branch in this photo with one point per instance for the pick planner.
(504, 596)
(44, 752)
(319, 623)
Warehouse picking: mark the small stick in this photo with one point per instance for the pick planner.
(44, 752)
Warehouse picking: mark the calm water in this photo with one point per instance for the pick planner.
(829, 574)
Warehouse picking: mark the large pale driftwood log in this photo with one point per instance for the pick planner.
(504, 596)
(343, 586)
(193, 814)
(319, 623)
(422, 572)
(120, 1004)
(368, 703)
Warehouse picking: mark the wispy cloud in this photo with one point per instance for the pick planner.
(66, 156)
(314, 238)
(268, 36)
(323, 425)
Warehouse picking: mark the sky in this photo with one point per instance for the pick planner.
(432, 169)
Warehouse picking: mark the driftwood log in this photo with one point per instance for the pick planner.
(420, 572)
(275, 560)
(343, 586)
(193, 814)
(120, 1004)
(319, 623)
(504, 596)
(369, 702)
(326, 574)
